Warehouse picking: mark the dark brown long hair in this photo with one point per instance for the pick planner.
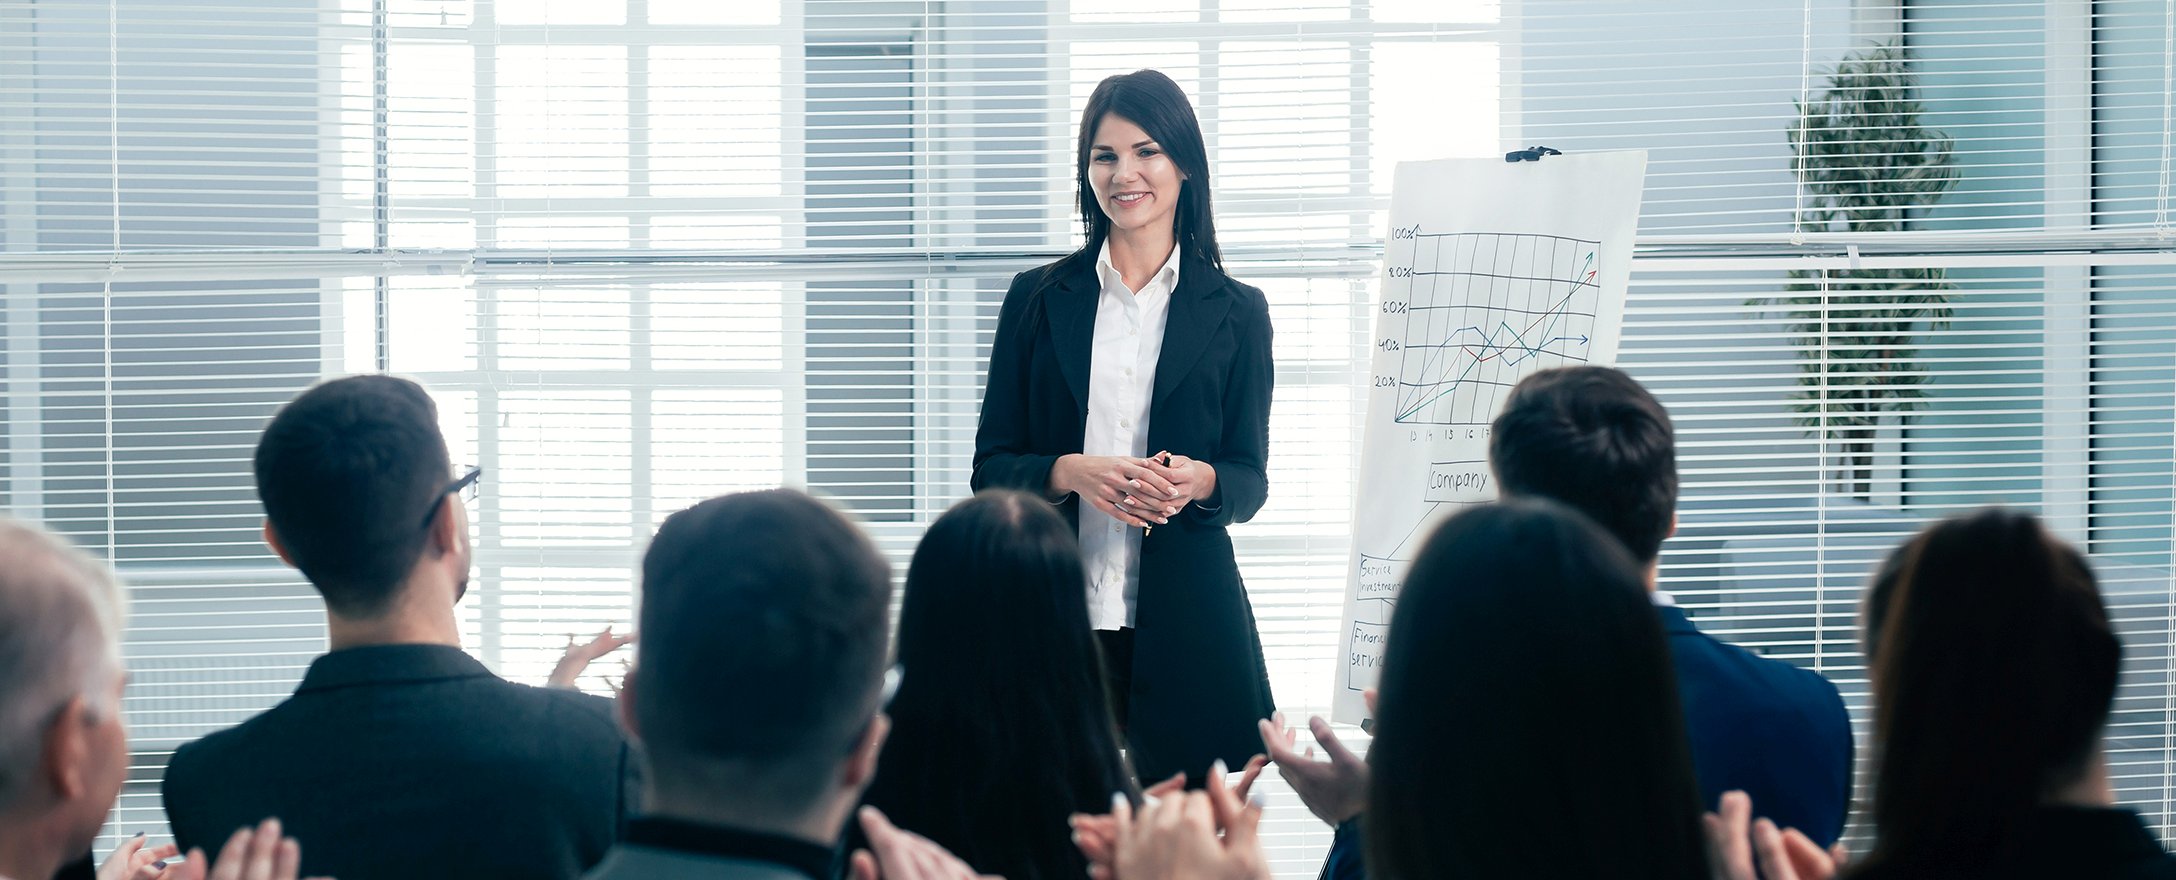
(1529, 721)
(1002, 727)
(1152, 101)
(1994, 668)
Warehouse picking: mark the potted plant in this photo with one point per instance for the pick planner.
(1865, 162)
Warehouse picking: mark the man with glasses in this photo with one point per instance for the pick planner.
(399, 755)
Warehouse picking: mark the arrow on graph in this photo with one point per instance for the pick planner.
(1488, 342)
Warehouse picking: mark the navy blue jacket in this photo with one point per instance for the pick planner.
(1777, 732)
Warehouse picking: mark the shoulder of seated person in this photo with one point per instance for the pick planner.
(217, 752)
(575, 703)
(1806, 683)
(1782, 683)
(221, 740)
(1794, 711)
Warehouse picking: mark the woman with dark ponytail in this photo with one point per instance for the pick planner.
(1994, 669)
(1001, 728)
(1129, 384)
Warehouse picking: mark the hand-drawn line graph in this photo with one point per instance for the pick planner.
(1484, 309)
(1491, 272)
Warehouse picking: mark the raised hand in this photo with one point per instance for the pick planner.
(133, 861)
(578, 657)
(251, 854)
(1176, 839)
(1248, 775)
(905, 855)
(1097, 835)
(1736, 844)
(1334, 790)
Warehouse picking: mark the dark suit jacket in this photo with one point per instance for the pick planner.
(1775, 731)
(83, 870)
(2073, 843)
(395, 762)
(1199, 680)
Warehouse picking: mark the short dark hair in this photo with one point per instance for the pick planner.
(1591, 438)
(763, 643)
(1527, 675)
(348, 472)
(1002, 727)
(1994, 670)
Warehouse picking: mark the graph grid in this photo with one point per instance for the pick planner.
(1485, 309)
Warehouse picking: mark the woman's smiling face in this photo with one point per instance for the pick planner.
(1134, 181)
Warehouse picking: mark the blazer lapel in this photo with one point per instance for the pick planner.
(1198, 307)
(1071, 305)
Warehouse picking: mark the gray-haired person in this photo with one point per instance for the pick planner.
(63, 742)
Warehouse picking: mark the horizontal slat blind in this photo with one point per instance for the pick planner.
(645, 251)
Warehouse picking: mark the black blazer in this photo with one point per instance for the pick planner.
(1199, 680)
(407, 761)
(87, 869)
(2071, 843)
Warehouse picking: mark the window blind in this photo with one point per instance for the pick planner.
(646, 251)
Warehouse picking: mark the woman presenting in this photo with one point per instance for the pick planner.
(1129, 383)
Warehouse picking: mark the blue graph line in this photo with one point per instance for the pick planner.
(1584, 278)
(1488, 341)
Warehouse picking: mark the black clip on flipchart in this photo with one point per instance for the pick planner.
(1531, 154)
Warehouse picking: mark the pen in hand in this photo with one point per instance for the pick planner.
(1162, 458)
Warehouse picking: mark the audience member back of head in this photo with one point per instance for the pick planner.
(1528, 720)
(1002, 727)
(1994, 669)
(398, 756)
(63, 746)
(1593, 439)
(757, 692)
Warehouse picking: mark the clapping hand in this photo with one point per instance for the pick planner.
(1785, 854)
(1335, 790)
(579, 656)
(1097, 835)
(251, 854)
(905, 855)
(1176, 838)
(132, 861)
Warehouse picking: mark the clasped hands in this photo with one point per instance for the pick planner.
(1139, 492)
